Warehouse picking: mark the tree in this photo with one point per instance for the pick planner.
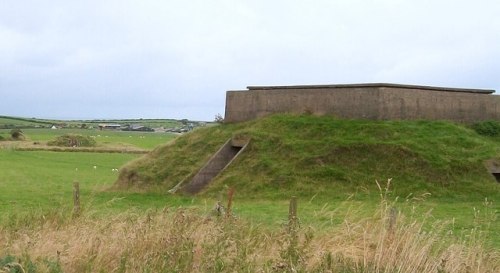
(219, 118)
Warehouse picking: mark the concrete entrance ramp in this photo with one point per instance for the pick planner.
(217, 163)
(493, 166)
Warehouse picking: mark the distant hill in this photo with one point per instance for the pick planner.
(307, 155)
(9, 122)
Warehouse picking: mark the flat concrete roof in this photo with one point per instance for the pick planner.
(377, 85)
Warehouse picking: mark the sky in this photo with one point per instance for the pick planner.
(93, 59)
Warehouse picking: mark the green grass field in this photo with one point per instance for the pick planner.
(36, 187)
(43, 180)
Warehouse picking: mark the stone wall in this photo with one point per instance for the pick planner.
(365, 101)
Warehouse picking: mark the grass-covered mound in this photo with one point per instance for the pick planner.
(308, 155)
(72, 140)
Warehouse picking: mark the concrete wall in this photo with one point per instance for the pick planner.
(217, 163)
(365, 101)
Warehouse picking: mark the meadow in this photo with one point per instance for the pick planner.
(174, 233)
(44, 179)
(139, 139)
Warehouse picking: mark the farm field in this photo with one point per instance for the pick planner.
(36, 198)
(44, 179)
(144, 140)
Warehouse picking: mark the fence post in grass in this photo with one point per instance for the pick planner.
(292, 214)
(219, 208)
(393, 217)
(230, 194)
(76, 199)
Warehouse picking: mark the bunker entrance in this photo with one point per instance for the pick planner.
(217, 163)
(497, 176)
(493, 166)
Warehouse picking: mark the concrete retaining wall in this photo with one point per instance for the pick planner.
(365, 101)
(217, 163)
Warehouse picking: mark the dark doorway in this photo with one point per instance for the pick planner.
(497, 176)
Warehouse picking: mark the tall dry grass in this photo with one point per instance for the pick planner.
(182, 240)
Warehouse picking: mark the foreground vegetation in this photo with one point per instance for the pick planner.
(186, 240)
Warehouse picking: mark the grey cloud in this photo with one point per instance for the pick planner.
(177, 58)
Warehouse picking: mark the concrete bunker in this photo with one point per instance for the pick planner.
(215, 165)
(374, 101)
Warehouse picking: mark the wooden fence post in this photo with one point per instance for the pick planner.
(230, 194)
(393, 217)
(292, 214)
(76, 199)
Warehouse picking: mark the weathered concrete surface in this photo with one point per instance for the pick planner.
(217, 163)
(365, 101)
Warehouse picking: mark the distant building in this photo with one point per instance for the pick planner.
(106, 126)
(137, 128)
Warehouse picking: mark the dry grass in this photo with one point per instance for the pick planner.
(181, 240)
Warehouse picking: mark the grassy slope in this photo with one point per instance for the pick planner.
(307, 156)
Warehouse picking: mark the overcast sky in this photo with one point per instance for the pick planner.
(177, 58)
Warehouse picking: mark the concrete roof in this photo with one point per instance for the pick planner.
(376, 85)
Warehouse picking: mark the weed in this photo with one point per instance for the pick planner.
(487, 128)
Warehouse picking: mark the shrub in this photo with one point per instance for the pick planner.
(487, 128)
(72, 140)
(16, 134)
